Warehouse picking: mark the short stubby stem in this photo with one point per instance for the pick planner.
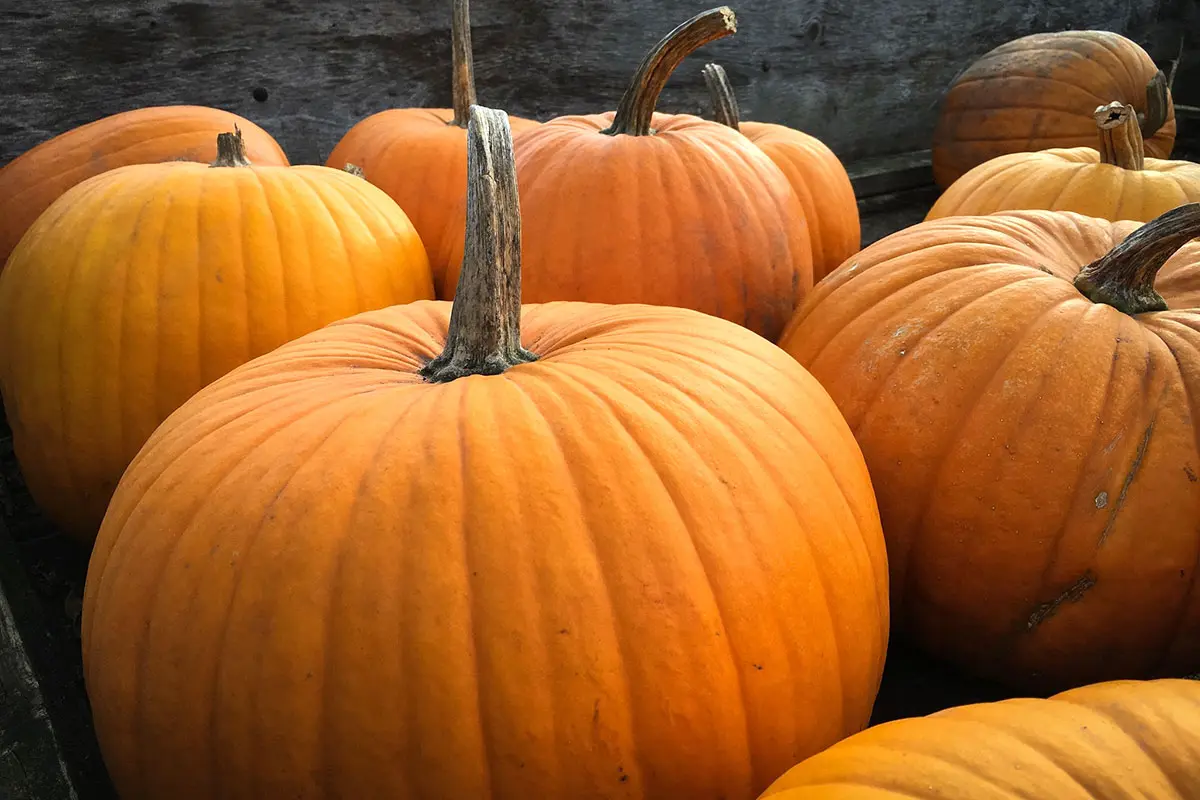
(725, 104)
(231, 150)
(1120, 141)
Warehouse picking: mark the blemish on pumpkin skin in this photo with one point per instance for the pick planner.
(1134, 468)
(1102, 500)
(1073, 594)
(1187, 470)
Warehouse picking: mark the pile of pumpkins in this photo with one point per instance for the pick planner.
(591, 458)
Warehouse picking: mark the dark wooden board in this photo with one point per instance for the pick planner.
(866, 77)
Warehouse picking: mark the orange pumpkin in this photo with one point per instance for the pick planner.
(1023, 396)
(1109, 741)
(1038, 92)
(1114, 181)
(585, 551)
(637, 207)
(34, 180)
(815, 173)
(141, 285)
(419, 156)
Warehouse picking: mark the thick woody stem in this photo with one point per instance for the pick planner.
(1120, 137)
(484, 337)
(1124, 277)
(636, 109)
(725, 104)
(231, 150)
(1158, 101)
(463, 87)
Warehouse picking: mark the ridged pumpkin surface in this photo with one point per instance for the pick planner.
(419, 157)
(646, 565)
(1034, 453)
(141, 285)
(1071, 179)
(1038, 93)
(1109, 741)
(694, 216)
(34, 180)
(823, 186)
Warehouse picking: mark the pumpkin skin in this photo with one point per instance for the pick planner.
(625, 219)
(815, 173)
(141, 285)
(673, 583)
(1037, 93)
(1083, 179)
(405, 557)
(419, 157)
(823, 186)
(1019, 435)
(1108, 741)
(35, 179)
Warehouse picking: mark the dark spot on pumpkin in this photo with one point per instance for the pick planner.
(757, 667)
(624, 778)
(1187, 470)
(260, 94)
(1072, 594)
(564, 630)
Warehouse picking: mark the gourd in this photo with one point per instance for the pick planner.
(1108, 741)
(633, 206)
(1113, 180)
(32, 181)
(817, 175)
(554, 551)
(419, 155)
(140, 285)
(1038, 92)
(1022, 387)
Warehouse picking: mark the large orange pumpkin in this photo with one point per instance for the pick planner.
(141, 285)
(1113, 181)
(1109, 741)
(34, 180)
(1024, 397)
(419, 155)
(637, 207)
(817, 175)
(585, 551)
(1038, 92)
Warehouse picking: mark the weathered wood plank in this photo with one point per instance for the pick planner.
(865, 77)
(31, 762)
(888, 174)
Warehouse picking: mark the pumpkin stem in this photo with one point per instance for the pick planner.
(1120, 139)
(463, 87)
(355, 170)
(484, 337)
(1158, 101)
(1124, 277)
(725, 104)
(231, 150)
(636, 109)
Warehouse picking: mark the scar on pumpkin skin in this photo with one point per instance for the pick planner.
(1072, 594)
(1138, 457)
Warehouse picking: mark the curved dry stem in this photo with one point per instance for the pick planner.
(485, 322)
(725, 104)
(1124, 277)
(1158, 101)
(1120, 143)
(636, 109)
(463, 87)
(231, 150)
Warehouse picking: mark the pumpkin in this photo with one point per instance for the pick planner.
(141, 285)
(633, 206)
(35, 179)
(1113, 181)
(1021, 387)
(554, 551)
(419, 155)
(1038, 92)
(815, 173)
(1109, 741)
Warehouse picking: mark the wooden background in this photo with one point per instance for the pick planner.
(865, 76)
